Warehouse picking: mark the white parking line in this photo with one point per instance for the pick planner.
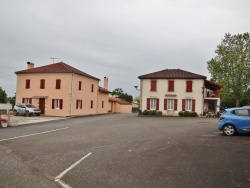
(57, 179)
(33, 134)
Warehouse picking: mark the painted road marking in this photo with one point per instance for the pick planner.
(57, 179)
(33, 134)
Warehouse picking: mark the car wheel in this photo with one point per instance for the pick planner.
(15, 113)
(27, 114)
(37, 114)
(229, 130)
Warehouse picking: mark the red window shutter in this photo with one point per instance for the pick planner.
(148, 103)
(170, 85)
(30, 100)
(80, 85)
(153, 85)
(61, 104)
(183, 104)
(165, 104)
(23, 101)
(157, 103)
(58, 84)
(189, 86)
(76, 104)
(193, 105)
(175, 104)
(42, 84)
(81, 104)
(27, 84)
(53, 103)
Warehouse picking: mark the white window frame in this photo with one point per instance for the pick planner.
(188, 105)
(57, 103)
(27, 101)
(152, 103)
(170, 104)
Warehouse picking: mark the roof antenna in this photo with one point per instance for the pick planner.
(54, 58)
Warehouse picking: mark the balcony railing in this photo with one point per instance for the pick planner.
(211, 94)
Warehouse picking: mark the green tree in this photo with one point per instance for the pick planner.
(137, 100)
(3, 96)
(231, 66)
(118, 92)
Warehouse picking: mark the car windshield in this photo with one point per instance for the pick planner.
(30, 106)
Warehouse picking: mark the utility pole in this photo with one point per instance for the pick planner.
(54, 58)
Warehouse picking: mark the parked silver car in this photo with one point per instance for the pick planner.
(26, 109)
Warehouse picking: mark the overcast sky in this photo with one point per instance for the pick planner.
(120, 39)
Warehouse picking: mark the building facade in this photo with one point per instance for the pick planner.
(175, 90)
(61, 90)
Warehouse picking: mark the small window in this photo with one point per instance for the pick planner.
(42, 84)
(153, 85)
(152, 103)
(189, 86)
(170, 85)
(57, 103)
(91, 104)
(92, 88)
(78, 104)
(170, 104)
(102, 104)
(27, 84)
(80, 85)
(188, 105)
(58, 84)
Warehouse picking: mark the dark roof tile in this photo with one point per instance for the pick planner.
(172, 74)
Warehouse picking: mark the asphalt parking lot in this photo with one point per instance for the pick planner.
(123, 150)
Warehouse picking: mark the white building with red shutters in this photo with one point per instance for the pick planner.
(174, 90)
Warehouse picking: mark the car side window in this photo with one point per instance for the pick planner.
(233, 112)
(242, 112)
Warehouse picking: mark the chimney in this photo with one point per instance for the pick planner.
(30, 65)
(106, 83)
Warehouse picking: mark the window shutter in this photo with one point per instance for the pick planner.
(148, 103)
(175, 104)
(183, 104)
(170, 85)
(27, 83)
(157, 104)
(193, 105)
(42, 84)
(61, 104)
(23, 100)
(53, 103)
(153, 85)
(30, 100)
(58, 84)
(80, 85)
(165, 104)
(81, 104)
(189, 85)
(76, 104)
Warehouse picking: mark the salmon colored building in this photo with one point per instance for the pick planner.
(61, 90)
(118, 105)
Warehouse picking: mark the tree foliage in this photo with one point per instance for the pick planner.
(3, 96)
(231, 66)
(118, 92)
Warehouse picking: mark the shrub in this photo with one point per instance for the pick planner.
(193, 114)
(145, 112)
(181, 113)
(158, 112)
(186, 114)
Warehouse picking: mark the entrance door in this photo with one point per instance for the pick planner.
(42, 105)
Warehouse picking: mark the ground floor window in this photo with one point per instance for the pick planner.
(188, 105)
(153, 104)
(27, 100)
(170, 104)
(78, 104)
(57, 104)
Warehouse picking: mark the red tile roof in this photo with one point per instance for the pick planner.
(172, 74)
(60, 67)
(103, 90)
(119, 100)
